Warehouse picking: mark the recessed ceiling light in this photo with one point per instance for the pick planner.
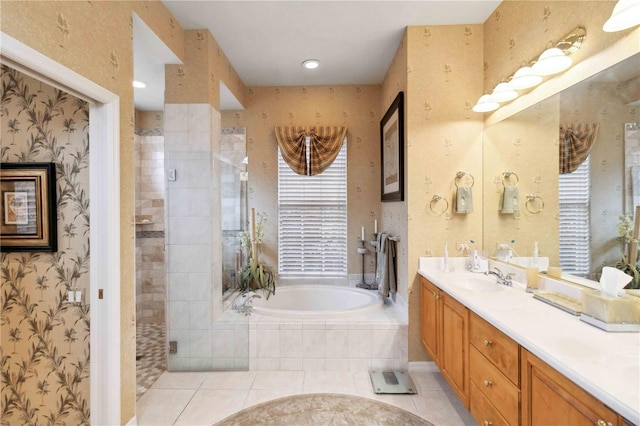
(139, 84)
(311, 64)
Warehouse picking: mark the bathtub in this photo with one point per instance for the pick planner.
(318, 302)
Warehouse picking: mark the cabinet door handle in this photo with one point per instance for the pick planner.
(488, 423)
(487, 342)
(488, 383)
(603, 423)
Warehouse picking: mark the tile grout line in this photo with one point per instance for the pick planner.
(195, 391)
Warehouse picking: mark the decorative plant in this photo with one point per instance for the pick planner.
(256, 275)
(628, 264)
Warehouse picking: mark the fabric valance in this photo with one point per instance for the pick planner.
(325, 144)
(576, 141)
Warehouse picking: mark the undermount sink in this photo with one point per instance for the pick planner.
(476, 283)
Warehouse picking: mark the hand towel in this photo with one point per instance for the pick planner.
(464, 200)
(386, 275)
(510, 201)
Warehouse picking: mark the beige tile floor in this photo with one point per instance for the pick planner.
(205, 398)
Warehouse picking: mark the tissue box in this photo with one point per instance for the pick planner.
(611, 310)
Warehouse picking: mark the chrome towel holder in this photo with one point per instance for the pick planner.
(534, 203)
(435, 201)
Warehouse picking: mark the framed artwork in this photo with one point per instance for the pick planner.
(28, 220)
(392, 151)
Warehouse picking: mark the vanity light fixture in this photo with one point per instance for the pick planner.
(552, 61)
(525, 78)
(485, 104)
(139, 84)
(311, 64)
(503, 93)
(626, 14)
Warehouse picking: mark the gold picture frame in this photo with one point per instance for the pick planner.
(28, 220)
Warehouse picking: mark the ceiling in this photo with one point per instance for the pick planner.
(355, 41)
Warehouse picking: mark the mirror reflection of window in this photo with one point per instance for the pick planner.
(574, 195)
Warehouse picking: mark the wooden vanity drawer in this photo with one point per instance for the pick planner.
(499, 390)
(482, 410)
(496, 346)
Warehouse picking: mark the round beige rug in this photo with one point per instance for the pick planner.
(323, 409)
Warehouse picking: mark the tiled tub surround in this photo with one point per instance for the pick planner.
(375, 340)
(259, 342)
(604, 364)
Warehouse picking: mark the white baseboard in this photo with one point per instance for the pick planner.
(132, 422)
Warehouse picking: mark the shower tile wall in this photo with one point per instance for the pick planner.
(150, 265)
(193, 233)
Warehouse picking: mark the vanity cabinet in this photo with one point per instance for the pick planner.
(445, 336)
(430, 319)
(494, 373)
(499, 381)
(454, 358)
(550, 398)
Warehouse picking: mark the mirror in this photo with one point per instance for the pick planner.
(527, 144)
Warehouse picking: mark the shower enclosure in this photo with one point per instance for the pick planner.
(234, 177)
(204, 214)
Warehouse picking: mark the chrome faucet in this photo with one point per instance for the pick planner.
(500, 278)
(242, 303)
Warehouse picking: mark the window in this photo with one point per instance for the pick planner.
(575, 252)
(312, 220)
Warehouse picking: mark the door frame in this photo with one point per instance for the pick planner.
(104, 193)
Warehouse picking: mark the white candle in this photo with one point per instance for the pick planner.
(375, 226)
(362, 234)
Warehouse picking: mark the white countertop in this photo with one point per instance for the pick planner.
(605, 364)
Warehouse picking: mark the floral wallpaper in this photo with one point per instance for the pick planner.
(443, 137)
(44, 357)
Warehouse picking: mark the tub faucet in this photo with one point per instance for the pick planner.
(242, 303)
(500, 278)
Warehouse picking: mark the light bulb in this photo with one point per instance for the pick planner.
(525, 78)
(552, 61)
(503, 93)
(626, 14)
(485, 104)
(311, 64)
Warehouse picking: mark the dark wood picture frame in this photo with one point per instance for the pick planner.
(28, 219)
(392, 151)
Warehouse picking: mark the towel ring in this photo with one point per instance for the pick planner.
(460, 175)
(434, 202)
(507, 174)
(534, 204)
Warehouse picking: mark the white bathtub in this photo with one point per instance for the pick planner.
(318, 302)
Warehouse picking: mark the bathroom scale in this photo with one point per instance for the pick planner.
(392, 382)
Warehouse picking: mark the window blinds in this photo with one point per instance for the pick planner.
(575, 253)
(312, 220)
